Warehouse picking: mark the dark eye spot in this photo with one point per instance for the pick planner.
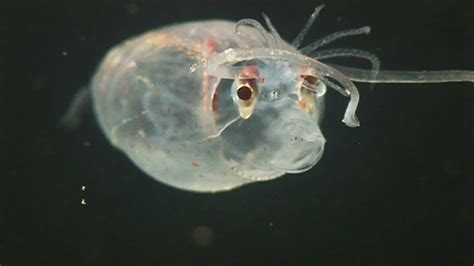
(244, 93)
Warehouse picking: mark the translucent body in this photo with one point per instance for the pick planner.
(212, 105)
(155, 101)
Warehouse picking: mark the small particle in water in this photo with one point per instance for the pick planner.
(65, 52)
(203, 236)
(83, 188)
(195, 164)
(86, 143)
(83, 202)
(132, 9)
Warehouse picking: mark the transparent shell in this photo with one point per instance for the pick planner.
(155, 101)
(212, 105)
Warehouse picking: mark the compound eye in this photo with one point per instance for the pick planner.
(246, 96)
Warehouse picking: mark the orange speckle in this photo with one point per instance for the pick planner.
(303, 104)
(211, 45)
(159, 39)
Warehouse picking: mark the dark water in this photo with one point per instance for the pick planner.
(396, 191)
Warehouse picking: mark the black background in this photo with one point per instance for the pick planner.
(396, 191)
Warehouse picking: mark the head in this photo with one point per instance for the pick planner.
(268, 120)
(275, 107)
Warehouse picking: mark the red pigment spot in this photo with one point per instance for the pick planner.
(195, 164)
(244, 93)
(211, 45)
